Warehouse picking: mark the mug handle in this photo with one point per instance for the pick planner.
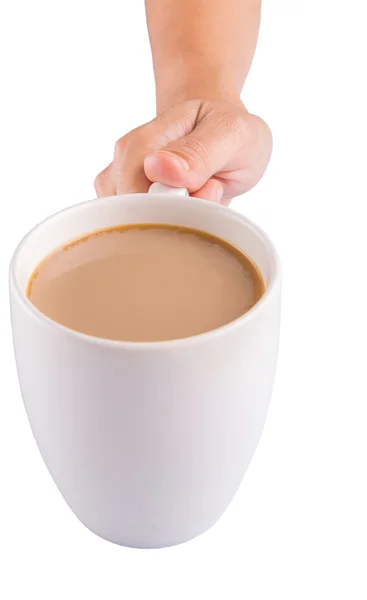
(161, 188)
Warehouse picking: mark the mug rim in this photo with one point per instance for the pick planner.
(163, 344)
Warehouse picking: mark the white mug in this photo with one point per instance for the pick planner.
(147, 442)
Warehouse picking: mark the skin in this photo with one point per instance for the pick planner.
(203, 138)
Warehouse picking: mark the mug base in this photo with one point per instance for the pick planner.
(156, 544)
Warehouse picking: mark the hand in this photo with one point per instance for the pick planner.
(215, 149)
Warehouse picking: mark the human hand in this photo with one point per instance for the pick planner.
(215, 149)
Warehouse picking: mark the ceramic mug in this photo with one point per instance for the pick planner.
(147, 442)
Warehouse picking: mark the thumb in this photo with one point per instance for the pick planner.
(192, 160)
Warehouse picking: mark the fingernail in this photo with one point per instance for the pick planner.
(176, 158)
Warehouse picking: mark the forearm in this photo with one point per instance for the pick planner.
(201, 48)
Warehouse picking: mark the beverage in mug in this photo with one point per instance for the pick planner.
(145, 283)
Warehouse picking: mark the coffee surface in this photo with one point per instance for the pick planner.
(145, 283)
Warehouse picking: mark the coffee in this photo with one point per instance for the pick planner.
(145, 283)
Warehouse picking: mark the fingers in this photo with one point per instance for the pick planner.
(104, 183)
(126, 173)
(128, 169)
(193, 159)
(212, 190)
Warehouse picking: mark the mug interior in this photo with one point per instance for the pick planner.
(93, 215)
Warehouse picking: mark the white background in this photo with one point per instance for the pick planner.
(75, 76)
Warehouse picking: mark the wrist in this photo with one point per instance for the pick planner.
(174, 87)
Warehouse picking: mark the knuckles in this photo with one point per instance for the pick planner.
(99, 183)
(103, 182)
(120, 146)
(134, 139)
